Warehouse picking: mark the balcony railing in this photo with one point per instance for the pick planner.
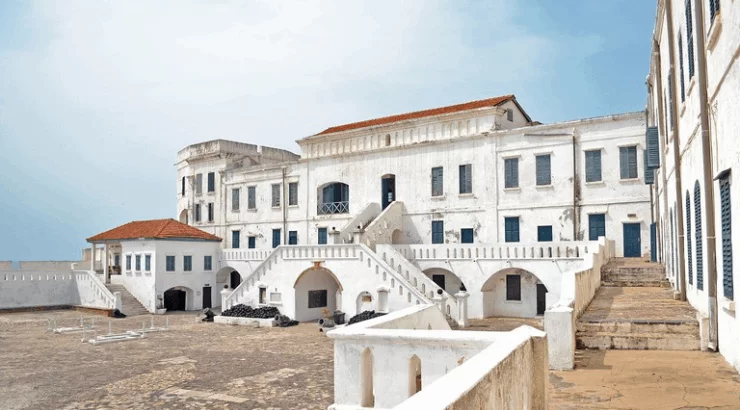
(333, 208)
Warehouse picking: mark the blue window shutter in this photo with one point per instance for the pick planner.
(690, 263)
(511, 229)
(593, 166)
(251, 242)
(544, 233)
(726, 217)
(653, 148)
(437, 181)
(466, 180)
(596, 226)
(322, 236)
(680, 66)
(292, 237)
(699, 243)
(670, 99)
(467, 235)
(543, 169)
(623, 163)
(275, 238)
(649, 172)
(235, 239)
(511, 172)
(437, 231)
(690, 38)
(632, 161)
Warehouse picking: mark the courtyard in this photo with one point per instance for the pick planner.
(209, 366)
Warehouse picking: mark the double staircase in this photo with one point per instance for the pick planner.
(635, 310)
(131, 305)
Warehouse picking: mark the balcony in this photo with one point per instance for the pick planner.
(333, 208)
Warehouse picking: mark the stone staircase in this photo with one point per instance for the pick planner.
(635, 310)
(131, 305)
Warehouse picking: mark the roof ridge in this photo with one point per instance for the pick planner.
(167, 222)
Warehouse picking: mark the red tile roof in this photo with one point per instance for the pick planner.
(490, 102)
(154, 229)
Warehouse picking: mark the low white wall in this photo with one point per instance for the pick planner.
(48, 265)
(370, 212)
(20, 289)
(6, 265)
(243, 321)
(92, 292)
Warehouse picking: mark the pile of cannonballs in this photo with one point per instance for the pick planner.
(241, 310)
(368, 314)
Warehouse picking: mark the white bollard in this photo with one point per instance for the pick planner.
(462, 308)
(224, 294)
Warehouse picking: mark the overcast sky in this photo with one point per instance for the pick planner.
(97, 97)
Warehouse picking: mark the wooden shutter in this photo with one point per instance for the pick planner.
(511, 172)
(235, 199)
(252, 242)
(513, 287)
(670, 99)
(438, 231)
(437, 181)
(623, 163)
(690, 263)
(293, 238)
(596, 226)
(649, 173)
(690, 37)
(322, 236)
(544, 233)
(699, 243)
(652, 143)
(235, 239)
(275, 238)
(680, 67)
(275, 195)
(726, 217)
(593, 166)
(211, 181)
(543, 170)
(466, 235)
(251, 197)
(511, 229)
(466, 179)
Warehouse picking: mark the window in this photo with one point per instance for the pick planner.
(187, 263)
(211, 182)
(262, 296)
(293, 193)
(670, 99)
(334, 199)
(208, 262)
(690, 39)
(726, 219)
(628, 162)
(182, 189)
(235, 199)
(388, 140)
(147, 263)
(317, 298)
(543, 170)
(596, 226)
(466, 179)
(513, 287)
(197, 212)
(511, 229)
(510, 115)
(116, 260)
(275, 238)
(437, 181)
(322, 236)
(235, 236)
(275, 195)
(138, 262)
(698, 237)
(690, 263)
(593, 166)
(251, 242)
(680, 66)
(210, 212)
(713, 10)
(251, 197)
(438, 232)
(544, 233)
(128, 262)
(467, 235)
(292, 237)
(170, 263)
(511, 172)
(198, 184)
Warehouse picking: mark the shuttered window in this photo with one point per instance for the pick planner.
(690, 263)
(208, 262)
(649, 172)
(322, 236)
(438, 232)
(670, 99)
(467, 235)
(293, 193)
(437, 181)
(187, 263)
(652, 144)
(593, 166)
(211, 181)
(251, 197)
(511, 229)
(147, 263)
(726, 216)
(235, 199)
(466, 179)
(198, 184)
(511, 172)
(210, 212)
(596, 226)
(275, 238)
(543, 169)
(680, 66)
(292, 237)
(235, 236)
(544, 233)
(251, 242)
(182, 189)
(138, 262)
(275, 195)
(698, 231)
(673, 253)
(713, 9)
(690, 38)
(169, 263)
(197, 212)
(628, 162)
(513, 287)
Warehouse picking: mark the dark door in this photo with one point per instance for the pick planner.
(439, 280)
(206, 297)
(541, 292)
(389, 190)
(631, 239)
(174, 299)
(235, 279)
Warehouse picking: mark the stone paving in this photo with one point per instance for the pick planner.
(637, 303)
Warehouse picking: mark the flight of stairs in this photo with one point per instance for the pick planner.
(131, 305)
(634, 309)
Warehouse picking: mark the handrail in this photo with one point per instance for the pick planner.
(538, 250)
(364, 218)
(108, 297)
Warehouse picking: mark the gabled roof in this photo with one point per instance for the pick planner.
(154, 229)
(489, 102)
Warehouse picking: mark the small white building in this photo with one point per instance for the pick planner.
(165, 259)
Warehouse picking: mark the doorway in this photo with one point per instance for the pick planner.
(235, 279)
(631, 239)
(541, 299)
(207, 297)
(439, 280)
(174, 299)
(389, 189)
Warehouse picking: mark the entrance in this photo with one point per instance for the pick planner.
(206, 297)
(541, 298)
(174, 299)
(235, 279)
(389, 189)
(439, 280)
(631, 238)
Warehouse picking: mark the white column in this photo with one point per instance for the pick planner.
(106, 274)
(440, 300)
(224, 294)
(561, 334)
(92, 257)
(462, 308)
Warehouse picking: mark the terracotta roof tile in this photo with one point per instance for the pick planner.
(154, 229)
(490, 102)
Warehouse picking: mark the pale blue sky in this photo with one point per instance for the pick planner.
(96, 98)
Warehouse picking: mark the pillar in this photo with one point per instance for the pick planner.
(92, 257)
(440, 300)
(561, 334)
(106, 274)
(462, 308)
(224, 294)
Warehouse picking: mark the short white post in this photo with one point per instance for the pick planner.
(224, 294)
(561, 334)
(106, 274)
(440, 300)
(119, 301)
(462, 308)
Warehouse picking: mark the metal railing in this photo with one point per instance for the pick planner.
(333, 208)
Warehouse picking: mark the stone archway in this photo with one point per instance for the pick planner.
(512, 292)
(228, 276)
(445, 279)
(316, 290)
(178, 298)
(184, 216)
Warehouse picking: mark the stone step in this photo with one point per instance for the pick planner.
(669, 328)
(660, 283)
(130, 306)
(637, 341)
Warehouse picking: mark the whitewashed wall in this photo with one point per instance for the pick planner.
(27, 289)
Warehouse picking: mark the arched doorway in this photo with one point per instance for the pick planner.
(234, 279)
(397, 237)
(316, 291)
(184, 216)
(445, 279)
(388, 183)
(178, 298)
(514, 292)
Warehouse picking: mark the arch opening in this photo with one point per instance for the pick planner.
(333, 198)
(414, 375)
(178, 298)
(445, 279)
(514, 292)
(317, 292)
(367, 397)
(183, 216)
